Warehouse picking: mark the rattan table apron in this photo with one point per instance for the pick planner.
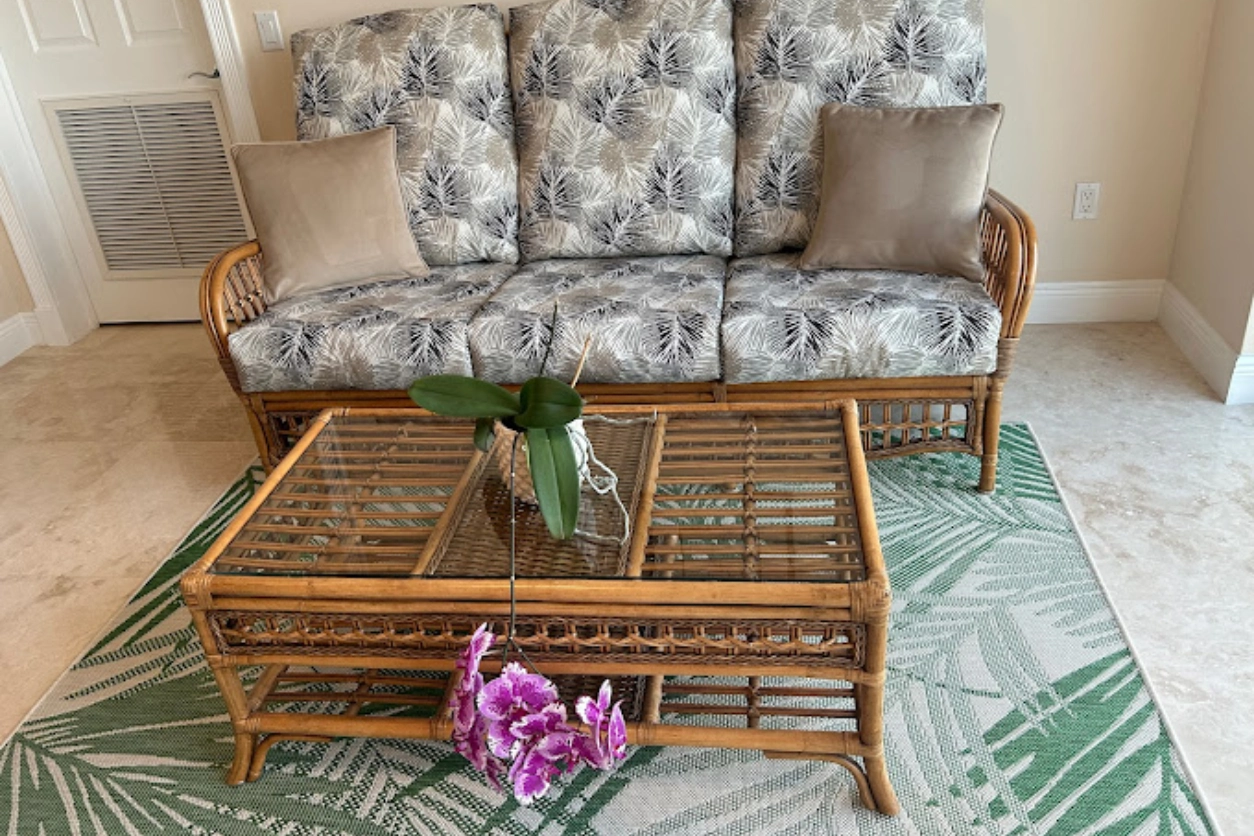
(358, 570)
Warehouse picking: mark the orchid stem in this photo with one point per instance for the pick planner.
(513, 564)
(513, 532)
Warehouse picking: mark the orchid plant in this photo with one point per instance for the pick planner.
(519, 717)
(544, 409)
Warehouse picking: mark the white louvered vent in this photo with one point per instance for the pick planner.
(154, 178)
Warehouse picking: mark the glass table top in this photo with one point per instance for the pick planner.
(699, 495)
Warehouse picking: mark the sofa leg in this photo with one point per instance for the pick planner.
(263, 431)
(988, 471)
(1006, 348)
(992, 437)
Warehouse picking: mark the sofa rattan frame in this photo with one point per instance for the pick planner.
(899, 416)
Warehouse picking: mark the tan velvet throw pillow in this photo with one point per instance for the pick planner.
(902, 189)
(328, 213)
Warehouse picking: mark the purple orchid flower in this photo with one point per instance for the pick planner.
(509, 698)
(519, 717)
(516, 689)
(551, 719)
(606, 740)
(549, 735)
(532, 774)
(471, 683)
(469, 729)
(547, 747)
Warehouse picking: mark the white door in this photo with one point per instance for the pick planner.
(132, 144)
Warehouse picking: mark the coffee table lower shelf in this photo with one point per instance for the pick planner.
(730, 712)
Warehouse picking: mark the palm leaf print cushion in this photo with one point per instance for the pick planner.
(784, 323)
(626, 135)
(794, 56)
(440, 77)
(650, 320)
(380, 335)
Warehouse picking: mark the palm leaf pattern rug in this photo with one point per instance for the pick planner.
(1013, 706)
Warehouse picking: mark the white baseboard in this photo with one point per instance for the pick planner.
(18, 333)
(1241, 390)
(1055, 303)
(1228, 373)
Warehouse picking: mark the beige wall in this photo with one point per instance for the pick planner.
(1212, 265)
(1095, 90)
(14, 297)
(1098, 90)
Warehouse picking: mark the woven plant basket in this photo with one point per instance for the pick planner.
(524, 490)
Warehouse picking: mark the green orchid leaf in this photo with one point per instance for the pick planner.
(548, 402)
(463, 397)
(555, 476)
(485, 432)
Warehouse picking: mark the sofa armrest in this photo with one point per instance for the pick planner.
(1009, 240)
(231, 294)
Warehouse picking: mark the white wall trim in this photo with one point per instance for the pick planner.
(230, 60)
(1064, 302)
(1228, 373)
(1241, 390)
(62, 307)
(18, 333)
(48, 322)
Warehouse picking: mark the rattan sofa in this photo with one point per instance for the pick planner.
(900, 413)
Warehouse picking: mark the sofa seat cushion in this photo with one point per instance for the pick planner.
(651, 320)
(784, 323)
(381, 335)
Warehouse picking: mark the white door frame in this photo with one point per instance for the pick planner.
(40, 241)
(224, 39)
(29, 213)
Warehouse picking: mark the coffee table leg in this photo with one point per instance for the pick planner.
(870, 702)
(242, 764)
(236, 699)
(881, 788)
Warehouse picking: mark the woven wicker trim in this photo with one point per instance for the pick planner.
(757, 642)
(912, 426)
(288, 427)
(419, 692)
(888, 427)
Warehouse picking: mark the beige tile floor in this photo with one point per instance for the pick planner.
(110, 449)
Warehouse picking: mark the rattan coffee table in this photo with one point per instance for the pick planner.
(748, 608)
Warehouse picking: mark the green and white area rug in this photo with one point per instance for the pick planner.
(1013, 706)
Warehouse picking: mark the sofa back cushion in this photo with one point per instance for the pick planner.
(441, 77)
(793, 57)
(626, 136)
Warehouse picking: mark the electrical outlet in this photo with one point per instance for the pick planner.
(1087, 197)
(268, 29)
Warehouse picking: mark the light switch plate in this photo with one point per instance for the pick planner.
(269, 30)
